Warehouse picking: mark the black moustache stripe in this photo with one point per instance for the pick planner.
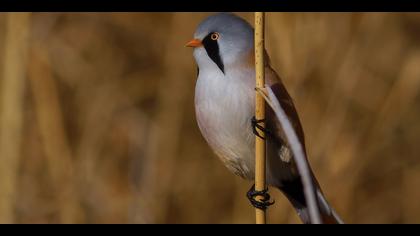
(212, 49)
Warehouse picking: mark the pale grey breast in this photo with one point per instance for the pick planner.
(224, 106)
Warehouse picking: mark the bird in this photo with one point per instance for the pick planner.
(223, 49)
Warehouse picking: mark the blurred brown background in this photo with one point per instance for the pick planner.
(97, 122)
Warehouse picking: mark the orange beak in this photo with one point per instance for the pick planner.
(194, 43)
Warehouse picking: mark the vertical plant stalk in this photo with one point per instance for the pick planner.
(259, 113)
(12, 107)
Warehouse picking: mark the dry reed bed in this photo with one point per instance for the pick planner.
(100, 127)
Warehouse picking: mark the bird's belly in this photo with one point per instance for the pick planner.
(227, 129)
(224, 120)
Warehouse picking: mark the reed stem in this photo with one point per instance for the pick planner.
(259, 112)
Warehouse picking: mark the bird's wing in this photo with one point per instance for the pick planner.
(286, 102)
(294, 188)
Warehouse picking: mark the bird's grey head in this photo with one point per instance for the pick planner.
(221, 40)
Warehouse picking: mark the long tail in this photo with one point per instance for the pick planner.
(294, 192)
(329, 216)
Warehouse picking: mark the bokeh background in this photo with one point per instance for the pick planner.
(97, 122)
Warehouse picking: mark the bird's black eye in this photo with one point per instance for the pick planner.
(214, 36)
(212, 48)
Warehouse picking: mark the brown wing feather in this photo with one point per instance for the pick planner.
(286, 102)
(292, 188)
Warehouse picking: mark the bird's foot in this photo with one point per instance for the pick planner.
(264, 202)
(256, 125)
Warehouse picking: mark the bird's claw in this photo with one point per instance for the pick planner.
(264, 202)
(256, 125)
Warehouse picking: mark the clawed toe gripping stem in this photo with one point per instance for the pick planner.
(256, 125)
(264, 202)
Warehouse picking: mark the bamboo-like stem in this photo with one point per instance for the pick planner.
(12, 109)
(259, 113)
